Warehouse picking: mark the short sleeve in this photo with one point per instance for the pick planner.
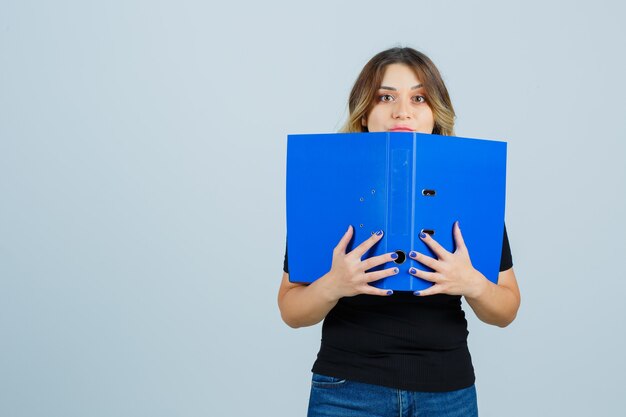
(286, 262)
(506, 261)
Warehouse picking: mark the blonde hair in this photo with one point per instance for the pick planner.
(363, 94)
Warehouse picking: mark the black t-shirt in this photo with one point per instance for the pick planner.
(400, 341)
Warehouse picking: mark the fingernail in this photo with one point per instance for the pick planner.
(412, 271)
(423, 235)
(394, 256)
(458, 224)
(389, 292)
(396, 270)
(416, 293)
(380, 232)
(413, 254)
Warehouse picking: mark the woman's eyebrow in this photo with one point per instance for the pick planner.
(415, 87)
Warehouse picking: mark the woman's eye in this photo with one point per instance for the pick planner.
(420, 99)
(385, 97)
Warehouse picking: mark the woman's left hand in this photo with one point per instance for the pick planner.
(453, 272)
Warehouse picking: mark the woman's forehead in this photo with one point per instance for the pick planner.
(400, 76)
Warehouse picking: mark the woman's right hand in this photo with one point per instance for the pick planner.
(348, 276)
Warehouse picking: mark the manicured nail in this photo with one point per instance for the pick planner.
(412, 271)
(389, 292)
(416, 293)
(396, 270)
(380, 232)
(413, 254)
(423, 235)
(394, 256)
(458, 224)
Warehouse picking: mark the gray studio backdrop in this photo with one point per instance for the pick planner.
(142, 195)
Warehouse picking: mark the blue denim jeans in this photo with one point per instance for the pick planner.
(334, 397)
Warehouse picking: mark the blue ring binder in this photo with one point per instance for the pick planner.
(401, 182)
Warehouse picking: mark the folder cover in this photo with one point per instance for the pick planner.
(401, 182)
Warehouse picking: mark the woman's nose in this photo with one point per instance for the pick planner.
(401, 110)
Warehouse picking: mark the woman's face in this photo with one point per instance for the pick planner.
(401, 104)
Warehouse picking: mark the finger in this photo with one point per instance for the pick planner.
(374, 261)
(343, 243)
(428, 276)
(367, 244)
(432, 263)
(368, 289)
(439, 250)
(376, 275)
(435, 289)
(458, 237)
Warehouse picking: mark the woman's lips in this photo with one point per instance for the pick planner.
(401, 129)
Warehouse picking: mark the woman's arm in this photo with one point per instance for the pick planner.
(454, 275)
(305, 305)
(496, 303)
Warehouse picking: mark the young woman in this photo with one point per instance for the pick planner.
(399, 354)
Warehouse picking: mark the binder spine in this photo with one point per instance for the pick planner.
(400, 204)
(413, 197)
(400, 201)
